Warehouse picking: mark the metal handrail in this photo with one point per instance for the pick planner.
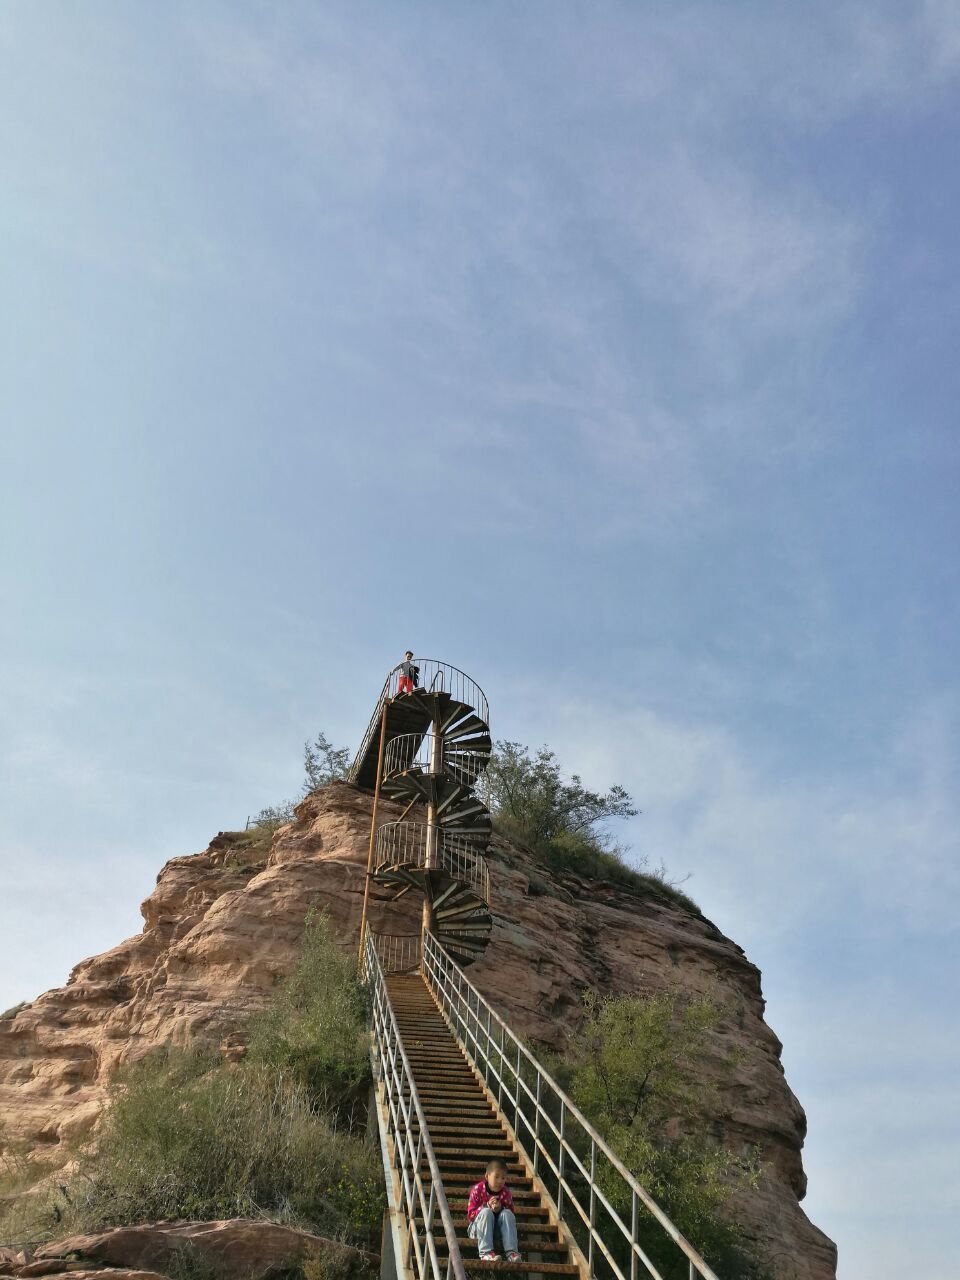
(434, 675)
(556, 1138)
(412, 1151)
(397, 952)
(415, 751)
(407, 844)
(371, 729)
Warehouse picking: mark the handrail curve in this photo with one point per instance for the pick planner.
(456, 683)
(407, 844)
(416, 751)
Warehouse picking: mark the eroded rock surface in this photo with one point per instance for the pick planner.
(222, 928)
(241, 1248)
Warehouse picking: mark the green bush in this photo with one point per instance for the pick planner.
(279, 1135)
(316, 1030)
(187, 1136)
(637, 1066)
(563, 823)
(531, 791)
(585, 856)
(323, 763)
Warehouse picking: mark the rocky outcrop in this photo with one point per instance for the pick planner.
(238, 1248)
(241, 1248)
(77, 1271)
(222, 928)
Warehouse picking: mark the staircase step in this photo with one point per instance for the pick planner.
(526, 1197)
(476, 1109)
(454, 1164)
(464, 1178)
(466, 1243)
(527, 1268)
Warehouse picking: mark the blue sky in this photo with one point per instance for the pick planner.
(608, 352)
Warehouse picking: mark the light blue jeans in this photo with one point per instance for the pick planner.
(485, 1224)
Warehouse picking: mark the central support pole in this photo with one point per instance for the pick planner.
(433, 823)
(433, 860)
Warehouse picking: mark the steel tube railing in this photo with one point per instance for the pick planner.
(411, 1149)
(397, 952)
(563, 1147)
(405, 844)
(436, 676)
(424, 751)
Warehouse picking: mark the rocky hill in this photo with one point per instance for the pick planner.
(222, 928)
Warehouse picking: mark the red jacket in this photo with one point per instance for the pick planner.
(481, 1193)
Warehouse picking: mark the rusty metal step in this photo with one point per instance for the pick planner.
(466, 1243)
(526, 1268)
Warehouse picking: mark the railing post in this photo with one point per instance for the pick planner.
(634, 1233)
(536, 1130)
(502, 1071)
(561, 1162)
(593, 1200)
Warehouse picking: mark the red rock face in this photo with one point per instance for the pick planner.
(222, 928)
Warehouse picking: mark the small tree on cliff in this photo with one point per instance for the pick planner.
(564, 823)
(532, 794)
(323, 763)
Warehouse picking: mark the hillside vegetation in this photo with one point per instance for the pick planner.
(279, 1135)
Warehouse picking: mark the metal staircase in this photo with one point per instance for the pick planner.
(466, 1132)
(454, 1086)
(427, 750)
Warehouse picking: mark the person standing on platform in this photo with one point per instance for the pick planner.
(408, 675)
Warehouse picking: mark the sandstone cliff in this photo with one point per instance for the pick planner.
(222, 928)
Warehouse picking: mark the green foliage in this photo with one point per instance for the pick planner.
(563, 823)
(531, 792)
(324, 763)
(187, 1135)
(20, 1168)
(637, 1069)
(268, 820)
(316, 1030)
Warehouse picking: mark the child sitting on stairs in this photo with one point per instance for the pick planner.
(491, 1206)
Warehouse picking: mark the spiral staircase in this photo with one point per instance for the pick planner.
(427, 750)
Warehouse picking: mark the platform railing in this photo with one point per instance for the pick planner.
(416, 751)
(406, 844)
(397, 952)
(422, 1202)
(609, 1214)
(435, 676)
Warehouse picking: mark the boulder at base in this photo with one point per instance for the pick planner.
(239, 1247)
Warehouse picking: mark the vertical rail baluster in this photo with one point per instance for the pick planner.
(561, 1163)
(634, 1233)
(593, 1200)
(536, 1131)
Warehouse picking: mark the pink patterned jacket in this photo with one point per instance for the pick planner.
(481, 1193)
